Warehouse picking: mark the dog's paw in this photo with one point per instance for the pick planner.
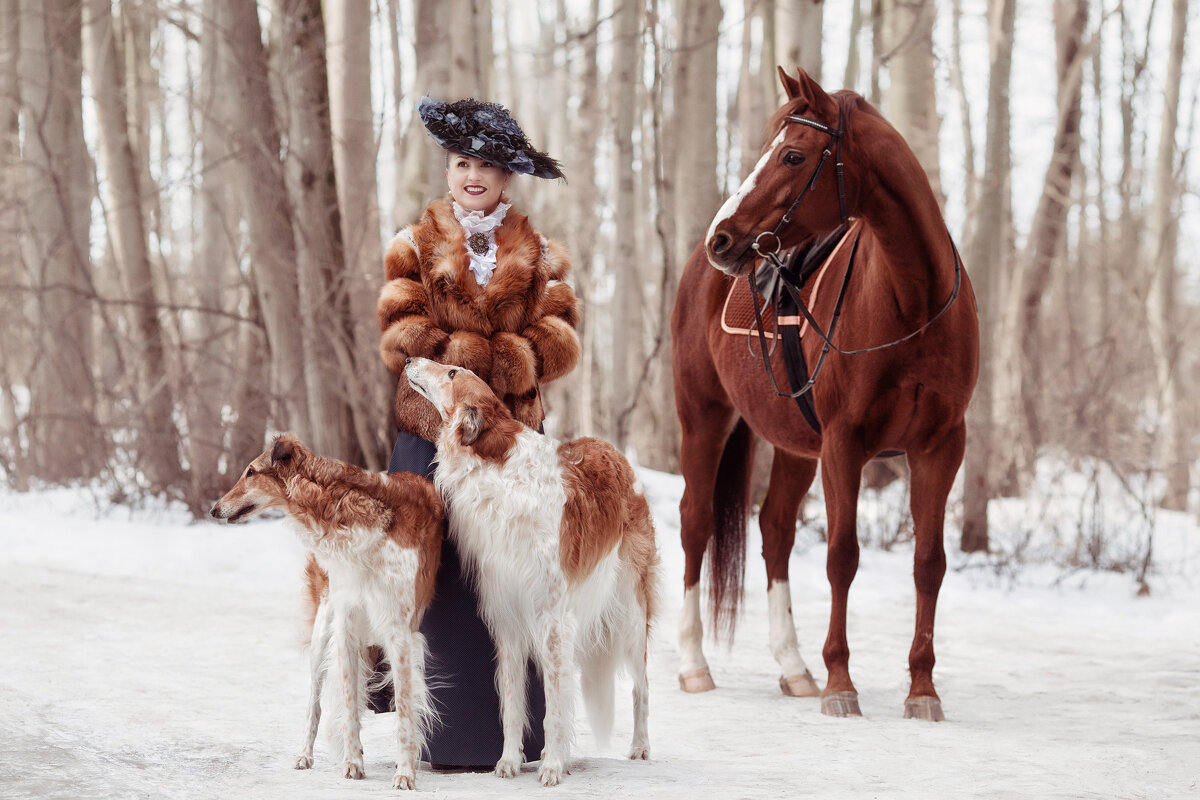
(304, 762)
(551, 773)
(640, 752)
(404, 780)
(353, 770)
(507, 768)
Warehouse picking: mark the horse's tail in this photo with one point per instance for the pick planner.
(727, 549)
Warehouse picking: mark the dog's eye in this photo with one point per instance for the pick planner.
(249, 471)
(453, 372)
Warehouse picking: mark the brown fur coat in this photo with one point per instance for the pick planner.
(516, 332)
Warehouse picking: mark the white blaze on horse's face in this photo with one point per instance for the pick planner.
(731, 205)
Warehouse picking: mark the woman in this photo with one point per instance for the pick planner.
(474, 285)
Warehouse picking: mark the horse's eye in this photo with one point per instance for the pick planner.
(793, 159)
(453, 372)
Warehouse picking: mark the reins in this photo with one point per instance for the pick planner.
(772, 258)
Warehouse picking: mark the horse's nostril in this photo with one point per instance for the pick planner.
(720, 242)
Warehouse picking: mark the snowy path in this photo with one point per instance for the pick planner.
(147, 658)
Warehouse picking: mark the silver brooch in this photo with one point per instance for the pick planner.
(478, 243)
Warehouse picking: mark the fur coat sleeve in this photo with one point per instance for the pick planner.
(516, 332)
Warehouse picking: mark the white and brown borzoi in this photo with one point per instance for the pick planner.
(378, 539)
(561, 546)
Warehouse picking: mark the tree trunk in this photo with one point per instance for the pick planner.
(63, 432)
(256, 148)
(327, 330)
(626, 304)
(355, 153)
(424, 171)
(910, 102)
(14, 329)
(1161, 245)
(798, 28)
(158, 440)
(850, 77)
(987, 256)
(1019, 327)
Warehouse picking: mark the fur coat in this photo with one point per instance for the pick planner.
(516, 332)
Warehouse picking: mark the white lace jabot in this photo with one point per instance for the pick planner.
(480, 233)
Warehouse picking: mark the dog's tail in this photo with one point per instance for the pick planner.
(596, 678)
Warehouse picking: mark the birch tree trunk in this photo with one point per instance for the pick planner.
(158, 439)
(327, 330)
(1161, 245)
(1020, 324)
(14, 329)
(694, 134)
(626, 307)
(910, 101)
(798, 28)
(423, 176)
(471, 54)
(986, 256)
(63, 432)
(355, 153)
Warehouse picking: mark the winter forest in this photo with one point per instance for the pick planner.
(195, 196)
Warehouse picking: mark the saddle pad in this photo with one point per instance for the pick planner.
(737, 316)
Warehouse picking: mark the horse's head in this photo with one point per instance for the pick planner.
(796, 164)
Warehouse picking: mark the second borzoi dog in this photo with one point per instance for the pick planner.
(561, 545)
(378, 538)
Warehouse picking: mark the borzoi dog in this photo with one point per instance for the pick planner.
(561, 545)
(378, 539)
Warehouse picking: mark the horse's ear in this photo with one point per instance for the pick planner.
(790, 85)
(806, 88)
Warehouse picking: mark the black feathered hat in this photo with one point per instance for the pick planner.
(487, 131)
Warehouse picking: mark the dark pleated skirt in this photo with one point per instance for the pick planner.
(461, 669)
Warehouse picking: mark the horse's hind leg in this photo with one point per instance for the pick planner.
(933, 472)
(841, 471)
(705, 431)
(791, 477)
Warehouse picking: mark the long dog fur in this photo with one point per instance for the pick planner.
(374, 543)
(560, 543)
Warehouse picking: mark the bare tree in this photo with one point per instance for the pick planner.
(158, 439)
(63, 431)
(626, 317)
(256, 148)
(421, 180)
(1020, 320)
(355, 152)
(798, 28)
(326, 327)
(1161, 247)
(986, 255)
(910, 98)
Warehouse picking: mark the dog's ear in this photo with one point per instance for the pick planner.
(283, 450)
(472, 424)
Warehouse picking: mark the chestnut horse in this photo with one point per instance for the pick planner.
(898, 373)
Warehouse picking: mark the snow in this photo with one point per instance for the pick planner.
(147, 656)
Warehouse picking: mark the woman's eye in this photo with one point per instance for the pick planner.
(793, 158)
(453, 372)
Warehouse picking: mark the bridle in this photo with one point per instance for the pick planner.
(776, 263)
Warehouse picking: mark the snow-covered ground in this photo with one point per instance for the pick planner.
(144, 656)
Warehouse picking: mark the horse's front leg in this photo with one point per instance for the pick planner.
(933, 472)
(791, 477)
(841, 471)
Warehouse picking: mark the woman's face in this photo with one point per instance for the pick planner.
(475, 184)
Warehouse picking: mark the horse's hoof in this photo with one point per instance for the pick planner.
(927, 708)
(840, 704)
(800, 685)
(698, 681)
